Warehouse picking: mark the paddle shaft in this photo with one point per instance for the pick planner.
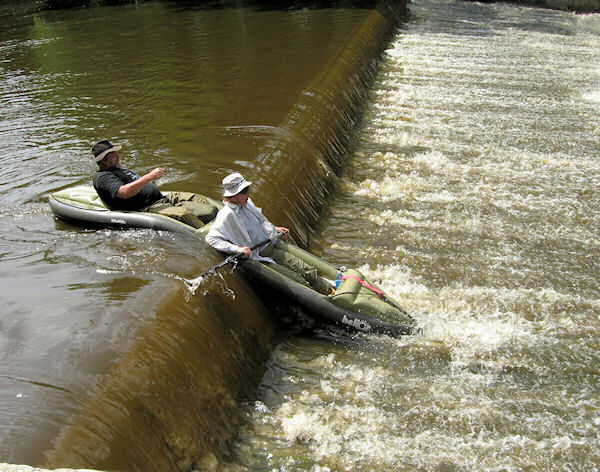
(234, 258)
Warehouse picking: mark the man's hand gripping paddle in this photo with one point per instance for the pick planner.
(194, 283)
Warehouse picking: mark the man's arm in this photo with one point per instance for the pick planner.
(133, 188)
(220, 243)
(221, 233)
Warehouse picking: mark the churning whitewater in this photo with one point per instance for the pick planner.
(473, 199)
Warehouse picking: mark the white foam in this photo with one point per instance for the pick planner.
(26, 468)
(485, 207)
(592, 96)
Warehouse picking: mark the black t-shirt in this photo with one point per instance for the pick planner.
(107, 183)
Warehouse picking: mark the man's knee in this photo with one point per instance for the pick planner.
(179, 213)
(204, 211)
(197, 204)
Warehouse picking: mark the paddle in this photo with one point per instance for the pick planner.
(194, 283)
(233, 258)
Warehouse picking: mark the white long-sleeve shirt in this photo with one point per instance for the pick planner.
(241, 226)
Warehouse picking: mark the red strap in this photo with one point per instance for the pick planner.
(379, 293)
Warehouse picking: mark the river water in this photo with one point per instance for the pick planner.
(471, 197)
(106, 359)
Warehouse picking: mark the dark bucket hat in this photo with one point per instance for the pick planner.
(102, 148)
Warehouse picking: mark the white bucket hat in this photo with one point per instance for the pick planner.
(234, 184)
(102, 148)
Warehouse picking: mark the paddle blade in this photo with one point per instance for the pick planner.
(193, 284)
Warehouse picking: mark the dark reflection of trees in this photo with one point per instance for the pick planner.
(267, 4)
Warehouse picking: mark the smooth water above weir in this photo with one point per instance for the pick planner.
(107, 360)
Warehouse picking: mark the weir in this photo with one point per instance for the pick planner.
(171, 401)
(173, 396)
(315, 137)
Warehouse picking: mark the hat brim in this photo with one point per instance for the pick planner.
(103, 154)
(237, 189)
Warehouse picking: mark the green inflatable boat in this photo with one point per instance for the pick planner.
(357, 305)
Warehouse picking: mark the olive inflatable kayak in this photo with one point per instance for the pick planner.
(82, 205)
(357, 305)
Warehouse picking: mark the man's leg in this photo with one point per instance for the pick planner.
(177, 212)
(307, 272)
(196, 204)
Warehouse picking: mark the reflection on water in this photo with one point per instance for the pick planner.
(172, 85)
(473, 199)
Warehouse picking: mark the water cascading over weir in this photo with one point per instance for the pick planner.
(171, 399)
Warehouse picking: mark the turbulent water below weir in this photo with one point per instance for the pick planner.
(473, 198)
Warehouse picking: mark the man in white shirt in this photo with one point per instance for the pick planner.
(239, 225)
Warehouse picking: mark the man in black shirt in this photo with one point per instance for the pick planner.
(123, 189)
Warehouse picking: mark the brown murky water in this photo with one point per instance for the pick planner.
(200, 92)
(472, 197)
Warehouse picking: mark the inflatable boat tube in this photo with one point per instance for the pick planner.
(81, 205)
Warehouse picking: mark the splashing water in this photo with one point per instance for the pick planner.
(472, 199)
(193, 284)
